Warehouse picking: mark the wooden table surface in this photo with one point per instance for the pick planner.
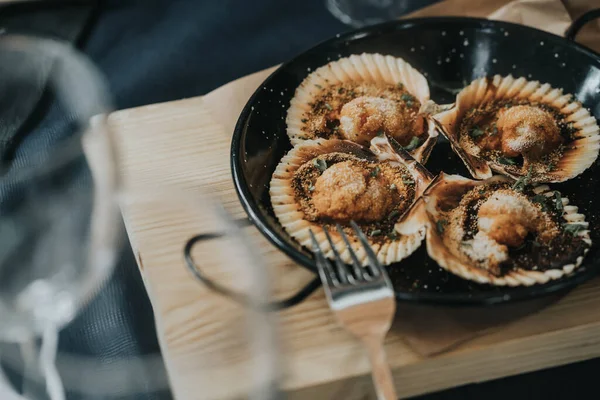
(179, 145)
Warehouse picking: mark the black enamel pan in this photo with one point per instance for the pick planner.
(450, 52)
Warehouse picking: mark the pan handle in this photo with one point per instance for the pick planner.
(238, 297)
(583, 19)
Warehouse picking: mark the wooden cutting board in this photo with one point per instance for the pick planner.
(179, 145)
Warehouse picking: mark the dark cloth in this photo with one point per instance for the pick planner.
(159, 50)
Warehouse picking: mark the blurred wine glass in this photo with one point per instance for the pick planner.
(60, 195)
(359, 13)
(59, 220)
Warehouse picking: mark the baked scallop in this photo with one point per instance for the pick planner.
(323, 183)
(502, 232)
(361, 96)
(518, 127)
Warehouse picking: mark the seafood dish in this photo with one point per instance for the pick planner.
(358, 97)
(503, 232)
(515, 127)
(362, 129)
(322, 185)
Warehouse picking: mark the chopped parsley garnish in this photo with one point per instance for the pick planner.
(304, 120)
(400, 85)
(380, 133)
(494, 130)
(558, 204)
(319, 86)
(441, 225)
(523, 181)
(328, 106)
(407, 181)
(573, 229)
(481, 191)
(551, 165)
(476, 132)
(507, 161)
(393, 186)
(341, 90)
(541, 200)
(394, 214)
(407, 97)
(375, 171)
(393, 235)
(375, 232)
(414, 143)
(466, 244)
(311, 188)
(320, 164)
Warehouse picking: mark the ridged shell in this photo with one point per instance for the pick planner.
(579, 155)
(445, 259)
(359, 68)
(387, 149)
(291, 216)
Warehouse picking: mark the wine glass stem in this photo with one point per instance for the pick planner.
(48, 351)
(42, 367)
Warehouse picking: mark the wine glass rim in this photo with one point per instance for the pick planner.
(76, 83)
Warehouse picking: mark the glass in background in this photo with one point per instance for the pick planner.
(59, 238)
(359, 13)
(59, 219)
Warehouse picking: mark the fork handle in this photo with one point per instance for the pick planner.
(382, 375)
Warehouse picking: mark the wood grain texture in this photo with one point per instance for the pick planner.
(178, 146)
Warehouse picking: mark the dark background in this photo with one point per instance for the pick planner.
(159, 50)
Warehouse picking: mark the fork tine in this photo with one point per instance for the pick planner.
(358, 269)
(374, 264)
(325, 270)
(342, 271)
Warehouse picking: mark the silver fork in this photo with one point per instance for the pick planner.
(363, 302)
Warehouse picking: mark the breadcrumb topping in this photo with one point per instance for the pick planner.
(338, 187)
(498, 228)
(520, 135)
(323, 118)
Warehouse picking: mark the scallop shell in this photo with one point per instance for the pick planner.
(579, 155)
(290, 214)
(445, 259)
(388, 149)
(360, 68)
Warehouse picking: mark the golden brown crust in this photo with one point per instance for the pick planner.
(493, 233)
(350, 188)
(519, 127)
(360, 96)
(528, 131)
(525, 136)
(324, 182)
(364, 117)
